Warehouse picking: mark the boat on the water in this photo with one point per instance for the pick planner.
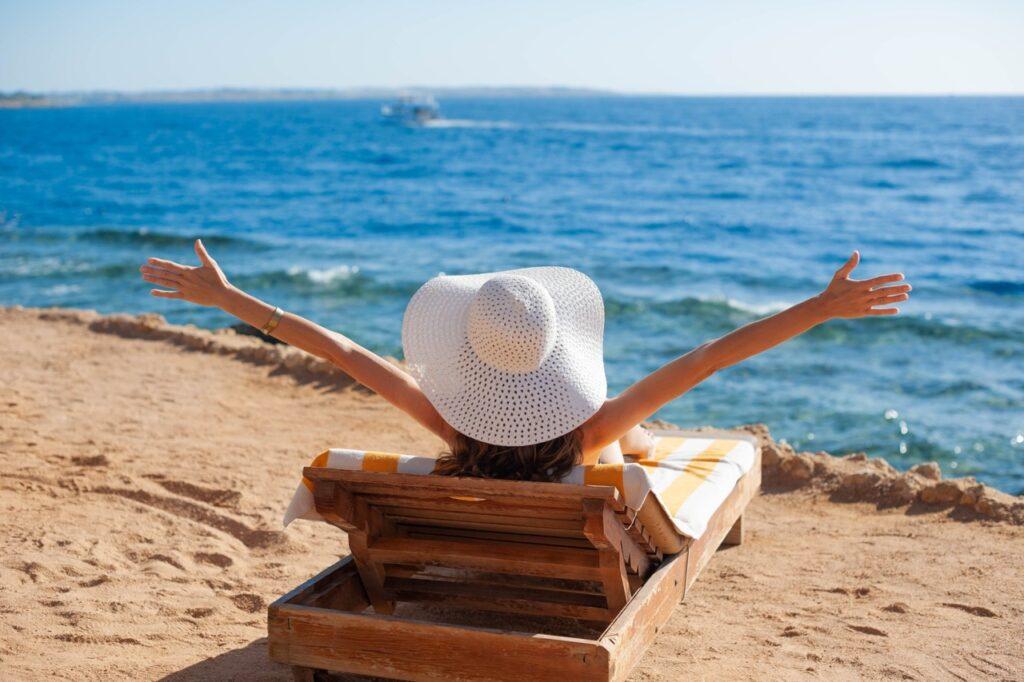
(412, 110)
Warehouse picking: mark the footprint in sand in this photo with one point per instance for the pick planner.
(897, 607)
(868, 630)
(247, 601)
(77, 638)
(198, 513)
(200, 612)
(973, 610)
(94, 461)
(218, 497)
(95, 582)
(219, 560)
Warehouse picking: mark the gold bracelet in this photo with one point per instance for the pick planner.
(271, 324)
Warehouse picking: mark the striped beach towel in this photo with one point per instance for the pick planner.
(687, 475)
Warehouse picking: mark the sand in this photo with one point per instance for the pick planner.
(142, 482)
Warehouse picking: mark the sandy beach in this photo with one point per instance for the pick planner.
(144, 470)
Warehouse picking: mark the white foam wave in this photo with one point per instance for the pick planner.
(468, 123)
(325, 275)
(766, 308)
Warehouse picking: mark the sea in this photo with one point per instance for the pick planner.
(693, 215)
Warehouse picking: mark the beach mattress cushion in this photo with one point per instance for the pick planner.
(685, 478)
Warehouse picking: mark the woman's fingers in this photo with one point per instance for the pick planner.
(162, 281)
(883, 279)
(883, 311)
(160, 293)
(161, 272)
(897, 289)
(891, 298)
(168, 265)
(847, 267)
(203, 255)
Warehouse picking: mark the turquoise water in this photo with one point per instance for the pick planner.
(693, 215)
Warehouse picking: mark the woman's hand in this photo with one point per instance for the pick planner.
(847, 297)
(204, 285)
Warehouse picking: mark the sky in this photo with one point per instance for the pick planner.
(637, 46)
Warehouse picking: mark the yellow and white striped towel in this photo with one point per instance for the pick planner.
(689, 475)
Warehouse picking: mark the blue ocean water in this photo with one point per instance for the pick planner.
(694, 215)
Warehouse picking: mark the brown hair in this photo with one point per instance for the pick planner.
(548, 461)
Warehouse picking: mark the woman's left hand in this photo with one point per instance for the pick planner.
(203, 285)
(846, 297)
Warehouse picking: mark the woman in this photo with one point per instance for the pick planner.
(508, 369)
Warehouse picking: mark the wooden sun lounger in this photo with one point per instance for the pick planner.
(540, 549)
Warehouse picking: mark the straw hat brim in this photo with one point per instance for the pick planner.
(501, 407)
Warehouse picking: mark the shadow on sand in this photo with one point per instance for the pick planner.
(248, 663)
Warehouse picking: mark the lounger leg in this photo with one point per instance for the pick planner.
(614, 577)
(735, 534)
(371, 573)
(614, 580)
(303, 674)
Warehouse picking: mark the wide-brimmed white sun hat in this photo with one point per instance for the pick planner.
(509, 358)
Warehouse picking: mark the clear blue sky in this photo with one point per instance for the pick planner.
(711, 46)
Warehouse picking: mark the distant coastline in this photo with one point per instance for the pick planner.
(25, 100)
(20, 100)
(36, 100)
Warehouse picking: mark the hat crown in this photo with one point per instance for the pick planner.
(511, 323)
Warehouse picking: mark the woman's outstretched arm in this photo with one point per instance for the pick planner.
(206, 285)
(844, 297)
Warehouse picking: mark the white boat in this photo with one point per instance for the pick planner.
(412, 110)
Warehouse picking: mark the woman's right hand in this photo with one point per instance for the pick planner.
(203, 285)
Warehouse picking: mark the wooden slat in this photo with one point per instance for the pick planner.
(468, 525)
(461, 531)
(538, 523)
(564, 509)
(490, 597)
(345, 595)
(335, 574)
(558, 562)
(368, 644)
(509, 492)
(578, 587)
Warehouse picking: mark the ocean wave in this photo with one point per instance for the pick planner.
(710, 309)
(879, 184)
(326, 275)
(921, 327)
(912, 163)
(340, 280)
(145, 237)
(468, 123)
(724, 311)
(724, 195)
(988, 196)
(999, 287)
(54, 266)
